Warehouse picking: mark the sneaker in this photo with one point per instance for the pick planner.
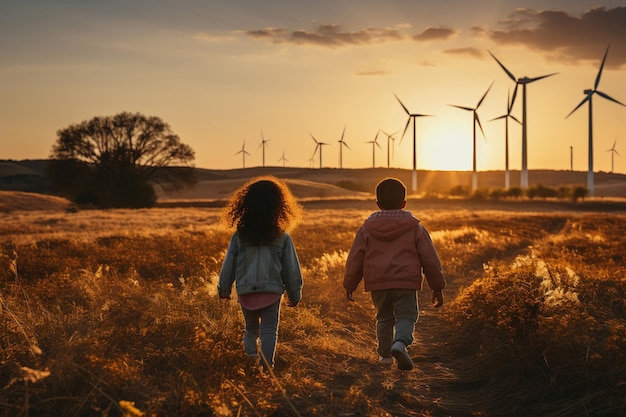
(385, 361)
(398, 351)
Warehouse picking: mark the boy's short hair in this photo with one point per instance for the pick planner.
(390, 194)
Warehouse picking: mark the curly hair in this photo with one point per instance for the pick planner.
(262, 210)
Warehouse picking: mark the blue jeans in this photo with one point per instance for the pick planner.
(262, 324)
(396, 315)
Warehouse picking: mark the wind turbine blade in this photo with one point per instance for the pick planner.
(484, 95)
(378, 144)
(513, 98)
(514, 118)
(606, 96)
(479, 125)
(461, 107)
(402, 104)
(504, 116)
(343, 133)
(511, 76)
(376, 137)
(595, 85)
(531, 80)
(346, 145)
(580, 104)
(405, 129)
(314, 138)
(509, 104)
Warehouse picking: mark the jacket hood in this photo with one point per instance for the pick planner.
(388, 225)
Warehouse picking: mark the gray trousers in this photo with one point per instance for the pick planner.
(396, 314)
(262, 324)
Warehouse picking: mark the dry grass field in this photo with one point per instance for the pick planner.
(115, 313)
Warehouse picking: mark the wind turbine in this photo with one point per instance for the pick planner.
(506, 117)
(374, 145)
(263, 142)
(243, 152)
(523, 81)
(412, 116)
(283, 159)
(390, 139)
(613, 153)
(588, 96)
(475, 121)
(342, 143)
(318, 145)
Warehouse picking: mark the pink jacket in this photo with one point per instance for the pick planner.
(393, 250)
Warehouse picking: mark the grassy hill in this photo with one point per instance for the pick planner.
(213, 184)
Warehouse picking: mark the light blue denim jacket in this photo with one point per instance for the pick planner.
(270, 268)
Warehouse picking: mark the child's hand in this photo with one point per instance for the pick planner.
(437, 298)
(349, 295)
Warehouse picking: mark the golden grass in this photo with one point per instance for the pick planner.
(115, 313)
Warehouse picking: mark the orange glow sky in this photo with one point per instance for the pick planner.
(222, 72)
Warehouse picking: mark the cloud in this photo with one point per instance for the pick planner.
(435, 34)
(372, 73)
(569, 38)
(329, 35)
(471, 52)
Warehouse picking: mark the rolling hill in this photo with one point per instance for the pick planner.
(30, 176)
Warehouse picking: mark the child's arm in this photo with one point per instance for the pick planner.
(227, 273)
(291, 273)
(354, 265)
(431, 265)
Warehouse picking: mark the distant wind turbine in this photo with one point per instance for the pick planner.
(613, 153)
(476, 120)
(263, 143)
(588, 96)
(243, 153)
(390, 139)
(523, 81)
(342, 143)
(283, 159)
(318, 145)
(374, 145)
(506, 117)
(412, 116)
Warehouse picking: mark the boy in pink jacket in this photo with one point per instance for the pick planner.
(391, 253)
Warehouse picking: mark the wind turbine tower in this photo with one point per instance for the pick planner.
(413, 117)
(243, 153)
(318, 146)
(374, 145)
(588, 98)
(613, 153)
(523, 81)
(506, 117)
(263, 143)
(342, 143)
(390, 139)
(283, 159)
(476, 120)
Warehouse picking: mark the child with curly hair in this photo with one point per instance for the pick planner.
(261, 259)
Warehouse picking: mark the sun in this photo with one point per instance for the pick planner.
(446, 147)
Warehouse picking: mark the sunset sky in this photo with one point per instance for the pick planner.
(220, 72)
